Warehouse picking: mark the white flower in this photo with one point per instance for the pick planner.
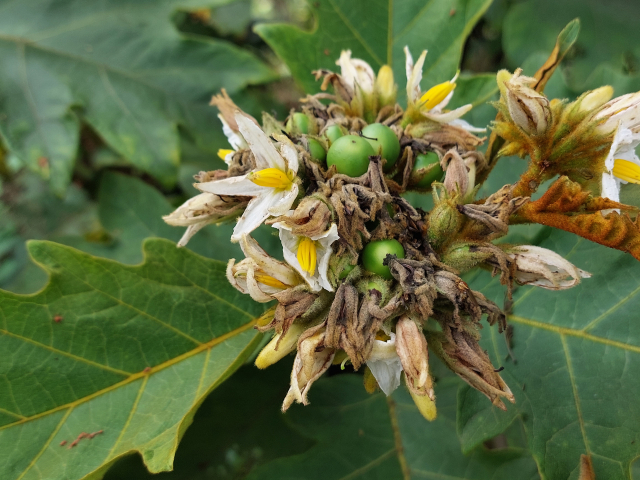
(432, 103)
(544, 268)
(621, 114)
(356, 73)
(309, 255)
(385, 364)
(272, 184)
(260, 275)
(196, 213)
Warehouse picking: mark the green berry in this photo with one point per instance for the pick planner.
(298, 123)
(384, 143)
(434, 175)
(316, 150)
(333, 133)
(375, 252)
(346, 271)
(350, 154)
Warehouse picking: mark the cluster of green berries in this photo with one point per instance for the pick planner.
(350, 154)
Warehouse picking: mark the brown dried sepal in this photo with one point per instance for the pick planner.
(354, 329)
(310, 218)
(293, 303)
(417, 283)
(228, 109)
(460, 351)
(491, 219)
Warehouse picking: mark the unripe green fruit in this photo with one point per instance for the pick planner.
(333, 133)
(298, 123)
(374, 254)
(436, 173)
(350, 154)
(316, 150)
(384, 143)
(346, 271)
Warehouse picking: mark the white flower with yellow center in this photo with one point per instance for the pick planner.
(259, 274)
(621, 114)
(431, 103)
(273, 183)
(309, 255)
(385, 364)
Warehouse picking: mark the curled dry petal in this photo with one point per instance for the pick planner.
(544, 268)
(411, 347)
(528, 108)
(312, 360)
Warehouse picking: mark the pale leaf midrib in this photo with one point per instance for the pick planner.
(200, 348)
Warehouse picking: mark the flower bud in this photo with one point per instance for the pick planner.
(544, 268)
(426, 406)
(411, 347)
(596, 98)
(463, 256)
(457, 178)
(444, 221)
(385, 87)
(280, 346)
(528, 108)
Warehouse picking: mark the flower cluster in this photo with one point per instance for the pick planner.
(369, 280)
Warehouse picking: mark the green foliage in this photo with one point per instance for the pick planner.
(576, 369)
(607, 50)
(378, 36)
(131, 351)
(122, 68)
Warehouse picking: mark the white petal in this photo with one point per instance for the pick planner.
(387, 373)
(191, 231)
(184, 215)
(269, 265)
(234, 138)
(347, 70)
(256, 212)
(447, 117)
(263, 149)
(290, 154)
(610, 187)
(414, 77)
(365, 77)
(458, 122)
(255, 288)
(233, 186)
(281, 201)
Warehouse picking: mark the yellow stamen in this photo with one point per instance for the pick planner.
(435, 95)
(382, 336)
(270, 281)
(626, 170)
(223, 152)
(271, 177)
(307, 255)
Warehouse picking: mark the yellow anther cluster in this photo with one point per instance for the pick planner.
(627, 171)
(271, 177)
(307, 255)
(436, 94)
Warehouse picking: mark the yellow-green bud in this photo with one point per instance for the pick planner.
(271, 354)
(385, 87)
(426, 406)
(596, 98)
(464, 256)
